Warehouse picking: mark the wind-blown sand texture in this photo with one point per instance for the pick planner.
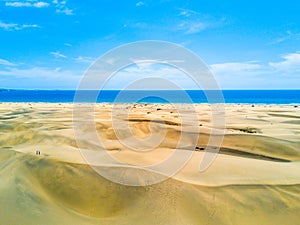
(254, 180)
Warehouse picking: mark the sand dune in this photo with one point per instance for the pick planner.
(254, 180)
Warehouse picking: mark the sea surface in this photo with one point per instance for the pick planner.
(154, 96)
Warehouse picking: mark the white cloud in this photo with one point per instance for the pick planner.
(6, 63)
(27, 4)
(8, 26)
(253, 74)
(18, 4)
(84, 59)
(30, 26)
(289, 64)
(58, 55)
(15, 26)
(37, 72)
(187, 12)
(66, 11)
(240, 75)
(192, 22)
(111, 61)
(146, 75)
(145, 62)
(40, 4)
(192, 27)
(233, 68)
(39, 77)
(62, 8)
(140, 3)
(288, 35)
(138, 25)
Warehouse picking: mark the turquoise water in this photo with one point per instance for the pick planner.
(190, 96)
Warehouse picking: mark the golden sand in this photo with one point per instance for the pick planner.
(255, 178)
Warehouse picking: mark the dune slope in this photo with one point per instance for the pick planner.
(254, 180)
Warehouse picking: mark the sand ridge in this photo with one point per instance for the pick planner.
(254, 178)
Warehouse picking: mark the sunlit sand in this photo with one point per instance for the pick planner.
(255, 178)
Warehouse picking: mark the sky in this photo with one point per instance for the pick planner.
(246, 44)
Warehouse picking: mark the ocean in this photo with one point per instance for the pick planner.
(154, 96)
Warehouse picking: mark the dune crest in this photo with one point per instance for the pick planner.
(254, 178)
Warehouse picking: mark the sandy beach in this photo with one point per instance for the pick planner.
(255, 178)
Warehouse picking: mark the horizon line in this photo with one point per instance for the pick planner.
(40, 89)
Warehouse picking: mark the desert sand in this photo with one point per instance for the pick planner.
(255, 178)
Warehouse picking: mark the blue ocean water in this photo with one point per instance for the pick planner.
(190, 96)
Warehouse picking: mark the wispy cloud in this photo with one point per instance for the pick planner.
(39, 77)
(140, 4)
(30, 26)
(21, 75)
(192, 22)
(139, 25)
(18, 4)
(288, 35)
(8, 26)
(192, 27)
(15, 26)
(27, 4)
(33, 72)
(149, 75)
(237, 68)
(58, 55)
(6, 63)
(61, 7)
(187, 22)
(187, 12)
(145, 62)
(85, 59)
(289, 64)
(255, 74)
(65, 11)
(40, 4)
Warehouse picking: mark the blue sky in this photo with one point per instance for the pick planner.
(247, 44)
